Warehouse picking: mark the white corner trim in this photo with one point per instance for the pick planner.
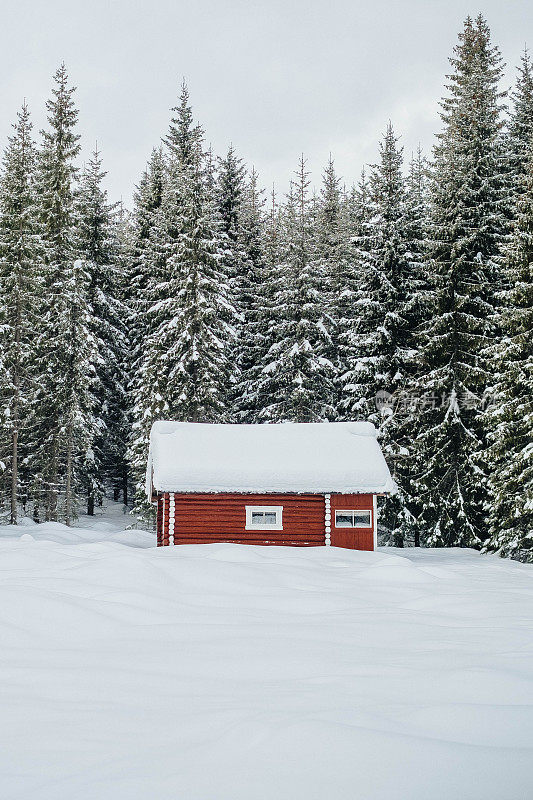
(375, 506)
(171, 517)
(327, 520)
(277, 510)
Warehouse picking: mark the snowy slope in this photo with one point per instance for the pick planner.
(226, 672)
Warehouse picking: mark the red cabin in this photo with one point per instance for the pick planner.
(301, 484)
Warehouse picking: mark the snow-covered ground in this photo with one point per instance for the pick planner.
(226, 672)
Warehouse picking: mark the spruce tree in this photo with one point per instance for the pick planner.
(190, 319)
(147, 258)
(68, 348)
(469, 221)
(99, 246)
(509, 415)
(383, 353)
(21, 264)
(296, 380)
(185, 137)
(253, 299)
(254, 388)
(333, 260)
(357, 224)
(405, 527)
(230, 188)
(520, 129)
(230, 192)
(382, 330)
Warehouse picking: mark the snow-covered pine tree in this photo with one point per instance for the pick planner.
(469, 221)
(383, 352)
(357, 215)
(196, 338)
(125, 237)
(509, 415)
(185, 137)
(333, 261)
(190, 320)
(67, 347)
(261, 332)
(253, 299)
(230, 190)
(405, 528)
(296, 380)
(21, 264)
(99, 247)
(147, 201)
(520, 128)
(417, 223)
(147, 239)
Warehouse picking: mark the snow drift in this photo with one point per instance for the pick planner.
(229, 672)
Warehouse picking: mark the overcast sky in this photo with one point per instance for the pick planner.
(275, 77)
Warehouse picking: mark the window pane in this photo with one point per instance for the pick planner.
(344, 519)
(362, 518)
(264, 517)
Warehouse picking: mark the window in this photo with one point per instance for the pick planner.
(353, 519)
(264, 518)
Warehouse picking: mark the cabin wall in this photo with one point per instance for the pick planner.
(203, 518)
(353, 538)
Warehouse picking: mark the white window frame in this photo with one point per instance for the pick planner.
(277, 510)
(354, 511)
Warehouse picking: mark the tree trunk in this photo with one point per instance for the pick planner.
(68, 481)
(14, 477)
(51, 491)
(90, 503)
(15, 412)
(125, 485)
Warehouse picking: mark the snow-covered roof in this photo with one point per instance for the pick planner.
(287, 457)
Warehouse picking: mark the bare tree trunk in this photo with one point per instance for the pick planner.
(90, 503)
(37, 501)
(14, 477)
(51, 491)
(68, 480)
(125, 485)
(15, 412)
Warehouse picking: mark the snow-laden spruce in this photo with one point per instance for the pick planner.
(67, 346)
(509, 415)
(21, 296)
(295, 381)
(100, 247)
(470, 211)
(190, 321)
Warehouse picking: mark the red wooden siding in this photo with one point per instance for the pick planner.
(352, 538)
(202, 518)
(162, 520)
(159, 520)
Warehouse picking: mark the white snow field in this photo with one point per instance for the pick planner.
(230, 672)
